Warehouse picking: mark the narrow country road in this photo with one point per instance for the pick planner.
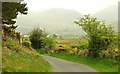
(60, 65)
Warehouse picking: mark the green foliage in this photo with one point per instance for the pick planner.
(49, 42)
(116, 42)
(16, 58)
(26, 43)
(11, 45)
(82, 45)
(100, 36)
(10, 11)
(25, 38)
(36, 36)
(41, 51)
(40, 40)
(24, 63)
(112, 55)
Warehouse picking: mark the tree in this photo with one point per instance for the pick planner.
(10, 10)
(100, 36)
(36, 38)
(49, 42)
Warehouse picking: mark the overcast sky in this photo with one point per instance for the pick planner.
(82, 6)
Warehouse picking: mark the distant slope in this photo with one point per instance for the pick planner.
(54, 21)
(110, 15)
(60, 21)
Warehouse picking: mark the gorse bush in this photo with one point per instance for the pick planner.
(73, 50)
(110, 54)
(10, 44)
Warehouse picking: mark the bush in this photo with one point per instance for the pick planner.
(10, 44)
(81, 46)
(49, 42)
(73, 50)
(60, 50)
(26, 43)
(83, 52)
(36, 38)
(100, 36)
(110, 54)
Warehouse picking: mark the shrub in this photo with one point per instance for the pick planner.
(48, 42)
(100, 36)
(81, 46)
(73, 50)
(79, 52)
(36, 38)
(26, 43)
(12, 44)
(110, 54)
(60, 49)
(84, 52)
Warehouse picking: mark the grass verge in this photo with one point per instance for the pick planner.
(101, 65)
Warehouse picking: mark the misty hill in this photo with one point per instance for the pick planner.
(53, 21)
(60, 21)
(109, 15)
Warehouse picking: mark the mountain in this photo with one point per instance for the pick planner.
(54, 21)
(61, 21)
(109, 15)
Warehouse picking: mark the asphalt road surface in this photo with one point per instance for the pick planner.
(60, 65)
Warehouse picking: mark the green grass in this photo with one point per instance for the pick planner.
(41, 51)
(101, 65)
(24, 63)
(17, 58)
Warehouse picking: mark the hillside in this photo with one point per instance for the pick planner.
(109, 15)
(55, 21)
(18, 58)
(60, 21)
